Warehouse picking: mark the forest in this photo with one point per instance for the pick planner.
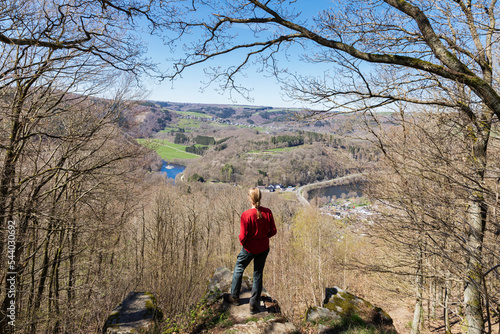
(266, 155)
(85, 219)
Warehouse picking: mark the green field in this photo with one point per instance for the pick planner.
(274, 150)
(282, 149)
(167, 150)
(217, 124)
(189, 125)
(192, 113)
(259, 128)
(170, 129)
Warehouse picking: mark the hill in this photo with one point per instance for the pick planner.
(255, 145)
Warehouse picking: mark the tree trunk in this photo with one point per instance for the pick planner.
(41, 286)
(434, 293)
(474, 275)
(446, 305)
(476, 215)
(417, 316)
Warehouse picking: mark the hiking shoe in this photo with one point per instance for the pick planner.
(233, 301)
(254, 309)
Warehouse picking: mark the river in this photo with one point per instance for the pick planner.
(171, 169)
(337, 191)
(336, 187)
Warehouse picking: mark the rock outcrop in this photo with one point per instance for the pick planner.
(341, 308)
(341, 312)
(237, 318)
(137, 313)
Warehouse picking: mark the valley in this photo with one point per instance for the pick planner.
(257, 146)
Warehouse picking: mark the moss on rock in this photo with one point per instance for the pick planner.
(341, 308)
(138, 312)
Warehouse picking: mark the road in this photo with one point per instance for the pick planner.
(333, 182)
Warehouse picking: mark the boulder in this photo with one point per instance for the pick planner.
(275, 326)
(220, 283)
(316, 313)
(137, 313)
(345, 304)
(345, 309)
(268, 320)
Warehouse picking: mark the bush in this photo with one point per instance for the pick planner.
(289, 140)
(204, 140)
(199, 150)
(180, 138)
(196, 178)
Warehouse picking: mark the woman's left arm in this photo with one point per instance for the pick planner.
(272, 226)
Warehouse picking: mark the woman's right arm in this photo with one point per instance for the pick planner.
(243, 230)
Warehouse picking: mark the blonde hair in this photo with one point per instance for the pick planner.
(254, 195)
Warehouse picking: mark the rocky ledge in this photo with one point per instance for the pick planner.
(237, 318)
(341, 312)
(137, 313)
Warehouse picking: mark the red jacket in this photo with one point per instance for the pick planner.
(255, 233)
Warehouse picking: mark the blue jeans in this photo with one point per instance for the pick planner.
(242, 261)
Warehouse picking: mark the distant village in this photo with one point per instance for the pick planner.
(274, 187)
(339, 209)
(229, 122)
(346, 209)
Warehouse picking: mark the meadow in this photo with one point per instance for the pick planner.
(167, 150)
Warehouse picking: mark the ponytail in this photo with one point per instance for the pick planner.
(254, 195)
(257, 205)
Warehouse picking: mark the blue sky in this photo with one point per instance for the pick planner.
(266, 90)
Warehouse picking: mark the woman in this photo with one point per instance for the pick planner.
(257, 226)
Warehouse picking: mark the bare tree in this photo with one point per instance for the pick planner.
(59, 143)
(65, 162)
(424, 184)
(430, 53)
